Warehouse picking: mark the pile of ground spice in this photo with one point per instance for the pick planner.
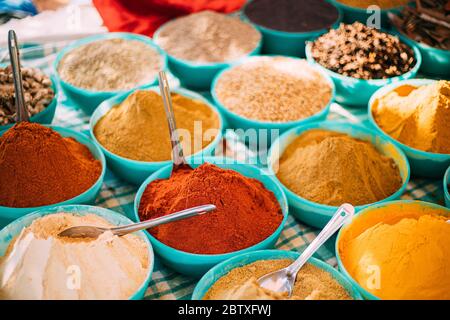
(208, 36)
(292, 15)
(358, 51)
(39, 167)
(275, 89)
(312, 283)
(383, 4)
(137, 128)
(417, 116)
(246, 213)
(333, 168)
(111, 64)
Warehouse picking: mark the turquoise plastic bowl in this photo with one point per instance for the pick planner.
(424, 164)
(220, 270)
(135, 171)
(357, 92)
(88, 100)
(318, 215)
(13, 229)
(366, 294)
(446, 184)
(198, 75)
(196, 265)
(8, 214)
(239, 122)
(288, 43)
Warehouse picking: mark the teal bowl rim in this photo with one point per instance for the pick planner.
(344, 271)
(288, 34)
(375, 82)
(270, 124)
(99, 37)
(207, 65)
(388, 88)
(86, 142)
(272, 255)
(363, 10)
(446, 183)
(223, 256)
(184, 92)
(331, 123)
(98, 211)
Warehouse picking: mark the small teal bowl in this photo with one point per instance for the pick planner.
(13, 230)
(135, 171)
(403, 203)
(88, 100)
(239, 122)
(196, 265)
(198, 75)
(220, 270)
(446, 189)
(9, 214)
(288, 43)
(357, 92)
(424, 164)
(316, 214)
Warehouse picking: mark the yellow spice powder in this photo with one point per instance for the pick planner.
(137, 128)
(383, 4)
(332, 168)
(418, 117)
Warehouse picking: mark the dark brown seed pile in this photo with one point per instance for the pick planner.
(357, 51)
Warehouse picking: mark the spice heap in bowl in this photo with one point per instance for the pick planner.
(38, 93)
(201, 44)
(287, 24)
(361, 59)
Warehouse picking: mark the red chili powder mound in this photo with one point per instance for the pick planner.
(39, 167)
(246, 213)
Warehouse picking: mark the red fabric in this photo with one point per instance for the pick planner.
(145, 16)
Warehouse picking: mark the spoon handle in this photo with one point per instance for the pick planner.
(343, 213)
(161, 220)
(21, 112)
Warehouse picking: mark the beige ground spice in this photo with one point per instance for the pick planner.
(274, 89)
(333, 168)
(312, 283)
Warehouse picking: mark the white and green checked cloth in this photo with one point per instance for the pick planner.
(119, 196)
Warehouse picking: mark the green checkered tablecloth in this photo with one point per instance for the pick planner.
(119, 196)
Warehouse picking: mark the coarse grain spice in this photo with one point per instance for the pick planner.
(274, 89)
(111, 64)
(357, 51)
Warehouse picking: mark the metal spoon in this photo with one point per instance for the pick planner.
(179, 162)
(21, 111)
(94, 232)
(283, 280)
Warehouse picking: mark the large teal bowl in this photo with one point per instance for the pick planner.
(197, 264)
(357, 92)
(9, 214)
(366, 294)
(135, 171)
(88, 100)
(288, 43)
(198, 75)
(239, 122)
(220, 270)
(13, 230)
(316, 214)
(424, 164)
(446, 189)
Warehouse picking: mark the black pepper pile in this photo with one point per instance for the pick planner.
(357, 51)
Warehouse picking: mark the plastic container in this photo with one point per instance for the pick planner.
(197, 264)
(446, 189)
(8, 214)
(12, 230)
(135, 171)
(208, 280)
(398, 205)
(198, 75)
(357, 92)
(88, 100)
(316, 214)
(424, 164)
